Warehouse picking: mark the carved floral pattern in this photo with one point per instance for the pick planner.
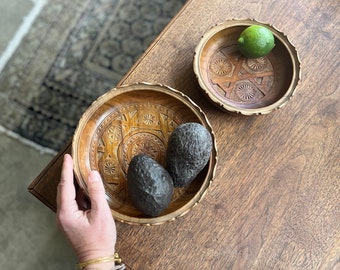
(239, 79)
(149, 119)
(256, 63)
(221, 67)
(126, 132)
(109, 168)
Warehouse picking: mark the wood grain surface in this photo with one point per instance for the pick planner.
(274, 203)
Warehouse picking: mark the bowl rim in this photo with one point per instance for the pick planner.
(167, 90)
(291, 49)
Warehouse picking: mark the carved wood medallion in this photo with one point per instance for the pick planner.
(126, 132)
(238, 79)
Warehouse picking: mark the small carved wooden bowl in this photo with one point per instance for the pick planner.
(242, 85)
(127, 121)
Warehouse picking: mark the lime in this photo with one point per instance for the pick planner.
(255, 41)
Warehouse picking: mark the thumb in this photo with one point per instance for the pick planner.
(96, 191)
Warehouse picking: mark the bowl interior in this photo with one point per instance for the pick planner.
(240, 84)
(128, 121)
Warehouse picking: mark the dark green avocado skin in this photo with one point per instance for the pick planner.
(150, 186)
(188, 151)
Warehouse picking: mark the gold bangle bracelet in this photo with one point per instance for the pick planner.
(113, 258)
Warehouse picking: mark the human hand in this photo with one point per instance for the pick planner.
(91, 232)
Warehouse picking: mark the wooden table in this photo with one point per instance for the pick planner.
(274, 203)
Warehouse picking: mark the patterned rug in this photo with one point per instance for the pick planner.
(73, 53)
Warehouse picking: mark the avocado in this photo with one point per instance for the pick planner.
(188, 151)
(150, 186)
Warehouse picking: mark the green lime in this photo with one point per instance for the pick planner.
(255, 41)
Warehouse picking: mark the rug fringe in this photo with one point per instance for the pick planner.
(43, 150)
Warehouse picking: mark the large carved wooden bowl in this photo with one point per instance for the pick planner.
(238, 84)
(127, 121)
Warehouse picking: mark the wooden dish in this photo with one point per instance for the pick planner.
(242, 85)
(127, 121)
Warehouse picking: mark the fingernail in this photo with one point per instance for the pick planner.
(95, 176)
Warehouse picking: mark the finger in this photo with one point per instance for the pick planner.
(66, 191)
(96, 192)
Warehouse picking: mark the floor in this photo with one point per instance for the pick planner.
(29, 237)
